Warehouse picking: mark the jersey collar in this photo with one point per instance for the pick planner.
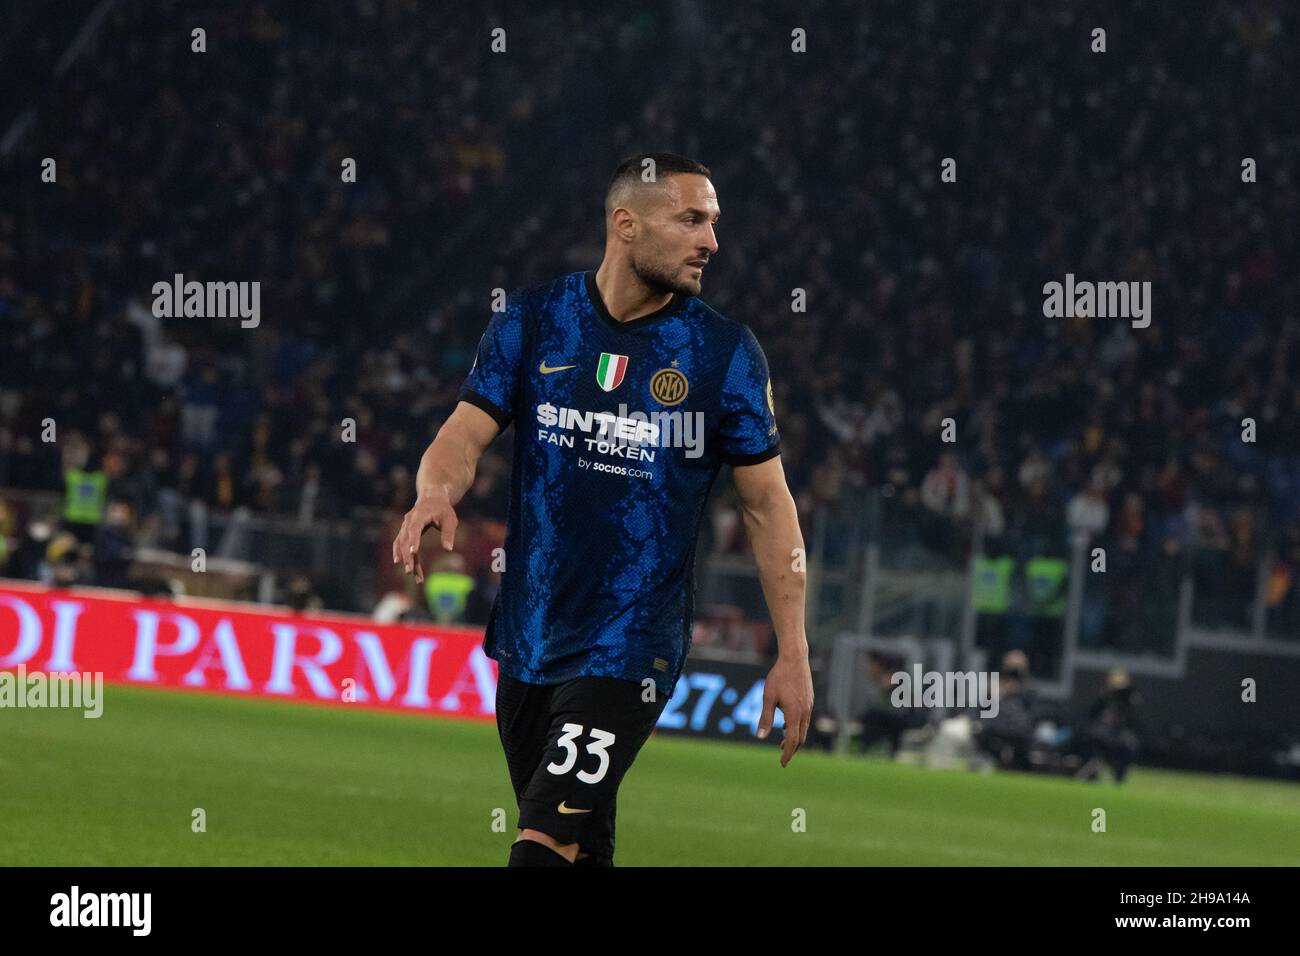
(598, 304)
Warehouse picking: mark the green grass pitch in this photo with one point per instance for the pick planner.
(293, 784)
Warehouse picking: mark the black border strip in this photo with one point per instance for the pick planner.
(1088, 897)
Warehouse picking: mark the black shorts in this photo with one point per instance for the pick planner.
(568, 747)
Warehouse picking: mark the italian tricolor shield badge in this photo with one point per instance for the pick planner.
(609, 373)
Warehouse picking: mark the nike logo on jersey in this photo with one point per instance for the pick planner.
(548, 369)
(563, 809)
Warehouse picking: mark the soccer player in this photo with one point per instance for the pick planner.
(628, 394)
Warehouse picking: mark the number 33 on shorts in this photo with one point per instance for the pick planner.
(601, 740)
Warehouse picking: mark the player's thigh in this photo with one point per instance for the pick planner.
(597, 727)
(523, 720)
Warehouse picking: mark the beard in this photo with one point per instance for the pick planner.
(664, 278)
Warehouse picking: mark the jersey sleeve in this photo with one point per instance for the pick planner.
(748, 433)
(493, 380)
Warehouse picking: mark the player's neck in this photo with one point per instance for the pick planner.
(625, 296)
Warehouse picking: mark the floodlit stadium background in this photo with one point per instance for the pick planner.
(479, 170)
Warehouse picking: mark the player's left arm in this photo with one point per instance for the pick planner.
(772, 523)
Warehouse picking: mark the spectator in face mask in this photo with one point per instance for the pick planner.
(1110, 738)
(1007, 736)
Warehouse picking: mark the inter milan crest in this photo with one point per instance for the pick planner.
(668, 386)
(610, 371)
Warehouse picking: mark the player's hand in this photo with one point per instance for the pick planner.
(788, 686)
(428, 512)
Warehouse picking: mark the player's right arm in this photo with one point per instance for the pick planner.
(446, 472)
(486, 407)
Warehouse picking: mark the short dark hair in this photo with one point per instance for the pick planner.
(628, 172)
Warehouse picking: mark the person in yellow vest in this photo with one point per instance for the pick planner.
(447, 588)
(991, 597)
(84, 496)
(1047, 581)
(1047, 586)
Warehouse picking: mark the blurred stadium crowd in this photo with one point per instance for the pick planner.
(478, 171)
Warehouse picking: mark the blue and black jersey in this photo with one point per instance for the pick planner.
(620, 430)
